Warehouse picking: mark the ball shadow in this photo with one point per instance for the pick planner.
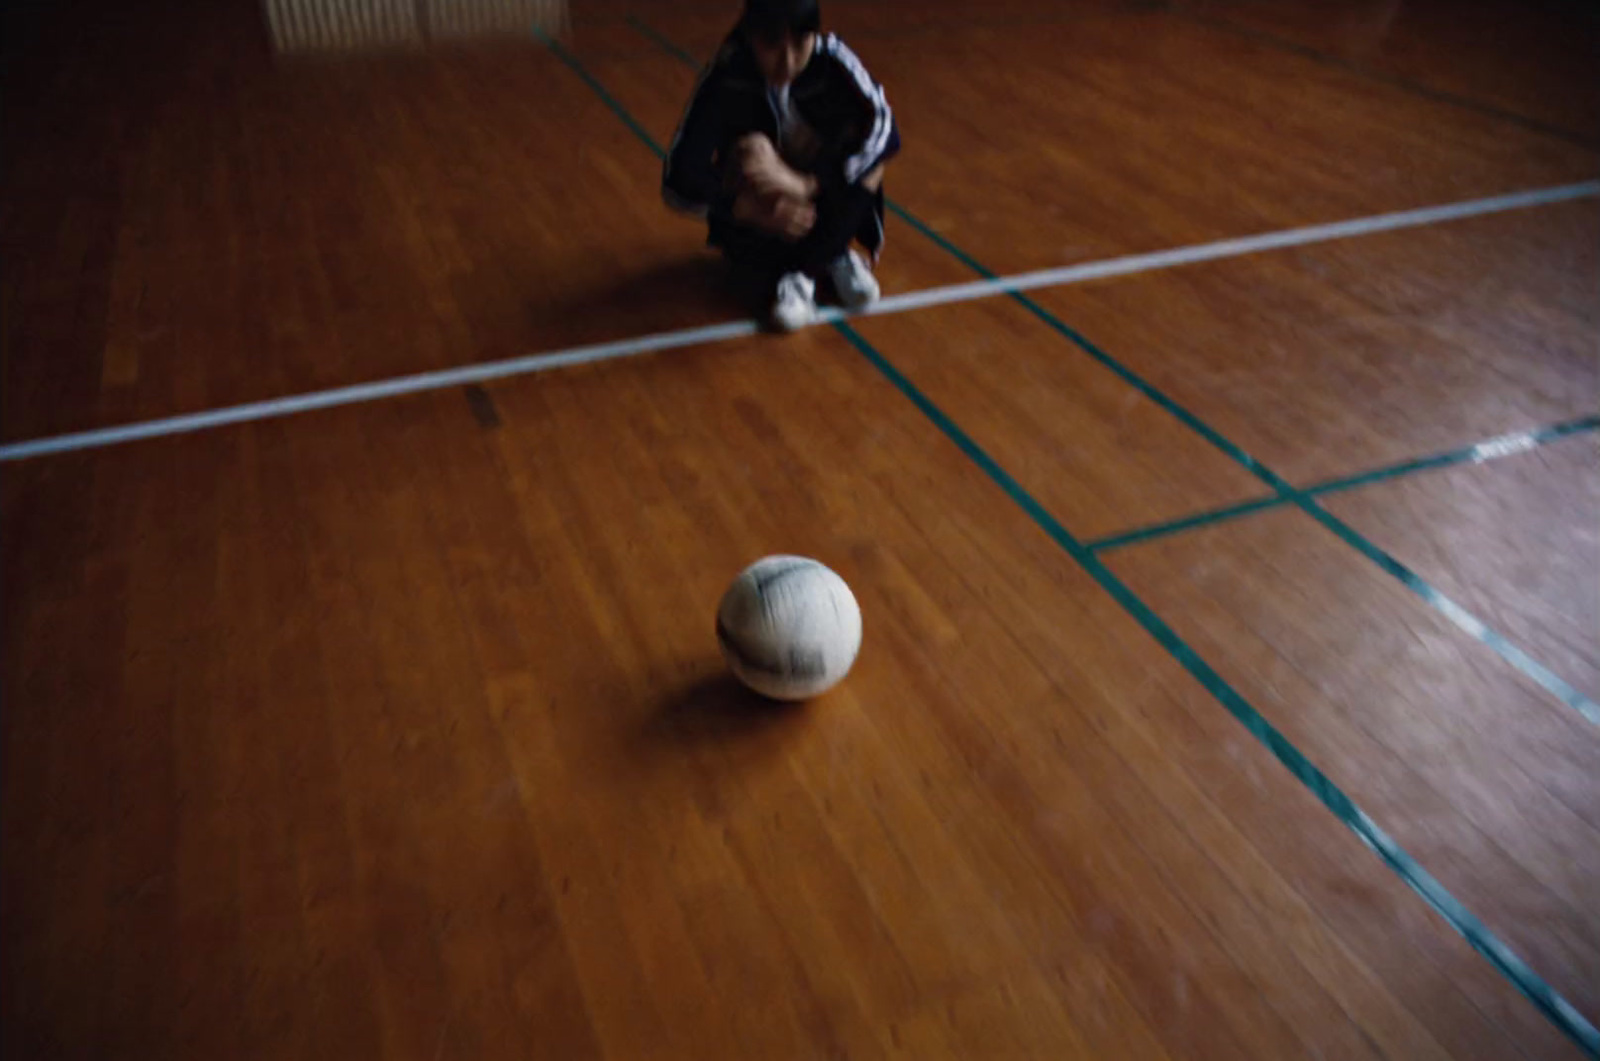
(717, 709)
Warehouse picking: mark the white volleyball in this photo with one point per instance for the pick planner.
(789, 627)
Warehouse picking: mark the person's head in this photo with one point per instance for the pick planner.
(782, 33)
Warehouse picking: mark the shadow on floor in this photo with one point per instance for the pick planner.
(717, 709)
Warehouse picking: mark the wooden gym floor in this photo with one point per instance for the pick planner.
(1233, 627)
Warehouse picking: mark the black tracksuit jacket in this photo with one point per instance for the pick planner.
(850, 130)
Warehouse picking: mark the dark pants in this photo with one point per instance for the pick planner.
(842, 217)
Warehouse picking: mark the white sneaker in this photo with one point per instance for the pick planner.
(796, 304)
(853, 280)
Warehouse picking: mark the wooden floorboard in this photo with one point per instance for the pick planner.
(399, 730)
(424, 743)
(1328, 360)
(1521, 64)
(321, 223)
(1100, 456)
(1482, 775)
(1517, 541)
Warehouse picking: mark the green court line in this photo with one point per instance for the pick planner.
(1203, 518)
(600, 90)
(641, 26)
(1475, 932)
(1531, 668)
(1487, 450)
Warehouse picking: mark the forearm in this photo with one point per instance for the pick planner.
(765, 170)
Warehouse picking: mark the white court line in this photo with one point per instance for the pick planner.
(367, 392)
(1232, 248)
(581, 355)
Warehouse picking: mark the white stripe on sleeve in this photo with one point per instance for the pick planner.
(877, 139)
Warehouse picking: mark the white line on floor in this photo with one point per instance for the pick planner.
(580, 355)
(1233, 248)
(368, 392)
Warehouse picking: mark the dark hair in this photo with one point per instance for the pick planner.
(774, 19)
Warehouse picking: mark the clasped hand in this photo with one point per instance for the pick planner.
(772, 195)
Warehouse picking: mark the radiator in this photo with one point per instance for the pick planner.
(353, 25)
